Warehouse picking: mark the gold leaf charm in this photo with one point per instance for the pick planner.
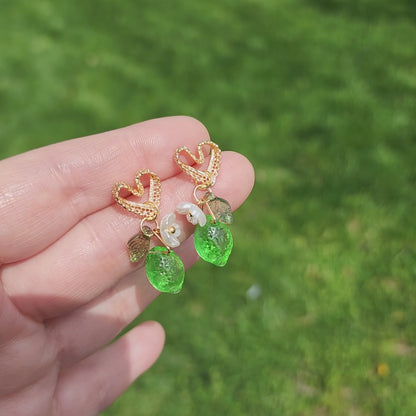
(219, 207)
(139, 244)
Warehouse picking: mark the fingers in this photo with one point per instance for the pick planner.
(93, 384)
(45, 192)
(18, 369)
(92, 256)
(88, 328)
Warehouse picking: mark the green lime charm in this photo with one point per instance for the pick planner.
(165, 270)
(213, 242)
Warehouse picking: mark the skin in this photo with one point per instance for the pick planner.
(67, 286)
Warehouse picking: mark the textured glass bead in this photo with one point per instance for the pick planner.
(164, 270)
(213, 242)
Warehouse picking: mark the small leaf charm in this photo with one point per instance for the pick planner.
(139, 245)
(213, 242)
(220, 208)
(165, 270)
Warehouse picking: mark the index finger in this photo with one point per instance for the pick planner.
(45, 192)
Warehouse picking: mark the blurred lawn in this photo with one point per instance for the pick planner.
(321, 96)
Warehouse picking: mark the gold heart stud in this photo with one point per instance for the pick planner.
(148, 210)
(203, 178)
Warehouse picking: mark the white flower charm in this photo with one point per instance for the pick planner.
(194, 214)
(170, 230)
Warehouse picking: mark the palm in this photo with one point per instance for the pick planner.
(67, 286)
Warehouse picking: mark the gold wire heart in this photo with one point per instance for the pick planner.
(148, 210)
(202, 178)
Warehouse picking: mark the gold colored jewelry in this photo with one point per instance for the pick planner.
(164, 268)
(205, 178)
(212, 237)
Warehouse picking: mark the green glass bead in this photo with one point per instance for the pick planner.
(213, 242)
(165, 270)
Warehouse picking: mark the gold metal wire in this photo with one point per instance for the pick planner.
(206, 177)
(149, 209)
(204, 202)
(156, 233)
(210, 212)
(200, 188)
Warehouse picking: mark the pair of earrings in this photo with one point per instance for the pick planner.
(212, 237)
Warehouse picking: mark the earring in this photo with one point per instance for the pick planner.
(164, 268)
(212, 237)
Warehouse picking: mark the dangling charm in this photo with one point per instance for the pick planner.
(219, 207)
(139, 244)
(164, 268)
(213, 238)
(194, 214)
(213, 242)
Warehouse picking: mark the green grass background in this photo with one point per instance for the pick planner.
(321, 96)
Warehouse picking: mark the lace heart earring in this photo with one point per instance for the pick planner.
(164, 268)
(212, 237)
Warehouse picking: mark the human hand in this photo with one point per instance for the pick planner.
(67, 286)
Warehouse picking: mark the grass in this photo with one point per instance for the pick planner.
(321, 96)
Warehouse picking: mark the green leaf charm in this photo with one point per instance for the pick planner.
(220, 208)
(165, 270)
(213, 242)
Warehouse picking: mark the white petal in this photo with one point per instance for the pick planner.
(169, 239)
(199, 215)
(183, 207)
(193, 220)
(194, 214)
(168, 220)
(173, 242)
(168, 223)
(202, 219)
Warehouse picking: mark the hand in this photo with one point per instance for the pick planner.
(67, 286)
